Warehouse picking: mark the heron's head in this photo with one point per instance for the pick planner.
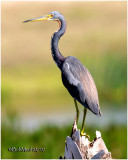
(51, 16)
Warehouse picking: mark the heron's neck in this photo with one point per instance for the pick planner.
(58, 58)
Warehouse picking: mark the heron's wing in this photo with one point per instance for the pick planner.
(87, 90)
(80, 84)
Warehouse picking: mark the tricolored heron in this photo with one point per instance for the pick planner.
(75, 77)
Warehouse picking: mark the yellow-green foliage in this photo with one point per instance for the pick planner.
(52, 138)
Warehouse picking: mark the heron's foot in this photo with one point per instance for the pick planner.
(84, 134)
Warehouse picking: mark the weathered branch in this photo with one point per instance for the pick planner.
(79, 147)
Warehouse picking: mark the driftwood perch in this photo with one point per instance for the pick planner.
(77, 147)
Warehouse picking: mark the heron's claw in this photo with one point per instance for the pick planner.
(84, 134)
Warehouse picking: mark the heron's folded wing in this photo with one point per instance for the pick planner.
(80, 84)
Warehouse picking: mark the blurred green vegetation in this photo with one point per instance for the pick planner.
(31, 82)
(40, 84)
(52, 138)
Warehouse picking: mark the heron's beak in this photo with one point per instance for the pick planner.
(46, 17)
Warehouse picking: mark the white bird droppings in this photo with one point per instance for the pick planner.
(98, 134)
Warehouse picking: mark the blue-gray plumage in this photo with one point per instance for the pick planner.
(80, 84)
(75, 77)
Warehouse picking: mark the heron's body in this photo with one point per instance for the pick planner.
(75, 77)
(80, 84)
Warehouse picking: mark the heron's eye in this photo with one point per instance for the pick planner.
(51, 15)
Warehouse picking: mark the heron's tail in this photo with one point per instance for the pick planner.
(99, 114)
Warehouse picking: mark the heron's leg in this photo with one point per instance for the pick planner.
(82, 129)
(77, 111)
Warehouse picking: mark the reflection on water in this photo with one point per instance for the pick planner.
(115, 116)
